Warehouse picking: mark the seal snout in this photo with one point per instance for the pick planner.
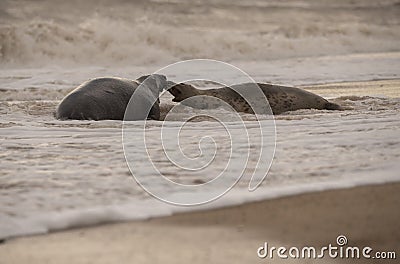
(172, 89)
(175, 91)
(157, 80)
(181, 91)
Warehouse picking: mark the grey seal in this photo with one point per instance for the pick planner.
(281, 98)
(107, 98)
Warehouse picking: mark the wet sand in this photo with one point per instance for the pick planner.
(367, 216)
(385, 88)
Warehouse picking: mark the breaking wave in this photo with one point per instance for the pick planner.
(137, 33)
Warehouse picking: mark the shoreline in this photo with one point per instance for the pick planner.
(367, 215)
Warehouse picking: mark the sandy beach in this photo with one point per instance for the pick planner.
(367, 216)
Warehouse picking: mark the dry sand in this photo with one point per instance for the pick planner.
(368, 216)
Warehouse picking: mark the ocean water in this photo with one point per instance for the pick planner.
(62, 174)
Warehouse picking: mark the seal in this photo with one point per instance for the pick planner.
(107, 98)
(281, 98)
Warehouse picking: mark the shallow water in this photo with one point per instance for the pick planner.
(57, 174)
(61, 174)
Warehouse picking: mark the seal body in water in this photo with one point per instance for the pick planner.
(281, 98)
(108, 98)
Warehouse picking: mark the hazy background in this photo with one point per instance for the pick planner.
(136, 32)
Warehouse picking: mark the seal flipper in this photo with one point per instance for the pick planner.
(332, 106)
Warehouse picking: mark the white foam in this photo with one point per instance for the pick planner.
(73, 174)
(57, 175)
(141, 210)
(158, 34)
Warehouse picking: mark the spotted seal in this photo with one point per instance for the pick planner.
(281, 98)
(107, 98)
